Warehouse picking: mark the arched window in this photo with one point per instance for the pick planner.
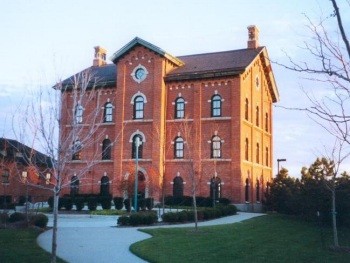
(74, 185)
(216, 106)
(106, 149)
(108, 112)
(247, 190)
(5, 176)
(179, 148)
(267, 156)
(266, 122)
(134, 146)
(257, 116)
(257, 190)
(178, 186)
(246, 109)
(215, 188)
(76, 155)
(104, 187)
(139, 105)
(179, 108)
(257, 153)
(215, 147)
(79, 113)
(246, 149)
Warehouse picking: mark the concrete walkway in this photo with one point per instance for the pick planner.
(90, 239)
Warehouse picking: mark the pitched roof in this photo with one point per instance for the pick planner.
(102, 76)
(214, 64)
(19, 152)
(138, 41)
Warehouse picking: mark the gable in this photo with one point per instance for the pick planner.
(140, 42)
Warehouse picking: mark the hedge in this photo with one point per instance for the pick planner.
(39, 220)
(206, 214)
(118, 202)
(138, 219)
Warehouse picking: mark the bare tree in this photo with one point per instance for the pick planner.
(329, 67)
(190, 130)
(64, 133)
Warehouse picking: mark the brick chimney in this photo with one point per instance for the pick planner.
(100, 56)
(253, 37)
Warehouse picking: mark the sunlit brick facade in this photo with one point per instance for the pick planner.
(208, 115)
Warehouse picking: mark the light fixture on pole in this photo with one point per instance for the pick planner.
(137, 145)
(278, 164)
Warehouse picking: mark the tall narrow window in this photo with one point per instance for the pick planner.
(178, 186)
(104, 187)
(139, 107)
(266, 122)
(267, 156)
(179, 108)
(106, 149)
(246, 149)
(108, 112)
(257, 191)
(74, 185)
(134, 146)
(5, 177)
(247, 190)
(215, 188)
(257, 153)
(257, 116)
(179, 148)
(216, 147)
(216, 106)
(246, 109)
(76, 150)
(79, 113)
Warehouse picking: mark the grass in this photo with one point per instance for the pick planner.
(19, 245)
(271, 238)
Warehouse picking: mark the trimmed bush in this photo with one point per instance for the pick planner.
(138, 219)
(79, 203)
(170, 217)
(92, 203)
(16, 217)
(118, 202)
(66, 202)
(143, 218)
(149, 203)
(106, 202)
(123, 221)
(39, 220)
(224, 201)
(50, 202)
(141, 204)
(4, 217)
(127, 204)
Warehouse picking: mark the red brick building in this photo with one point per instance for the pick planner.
(207, 115)
(24, 172)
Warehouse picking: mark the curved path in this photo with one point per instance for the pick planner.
(85, 238)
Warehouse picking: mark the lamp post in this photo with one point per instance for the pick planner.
(5, 182)
(137, 145)
(278, 164)
(25, 180)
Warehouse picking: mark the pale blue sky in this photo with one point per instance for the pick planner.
(42, 41)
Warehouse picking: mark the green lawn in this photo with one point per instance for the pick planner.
(19, 245)
(270, 238)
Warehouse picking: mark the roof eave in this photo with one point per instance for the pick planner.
(203, 75)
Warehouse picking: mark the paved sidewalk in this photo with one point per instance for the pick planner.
(90, 239)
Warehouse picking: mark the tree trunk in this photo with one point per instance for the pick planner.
(54, 229)
(334, 221)
(195, 208)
